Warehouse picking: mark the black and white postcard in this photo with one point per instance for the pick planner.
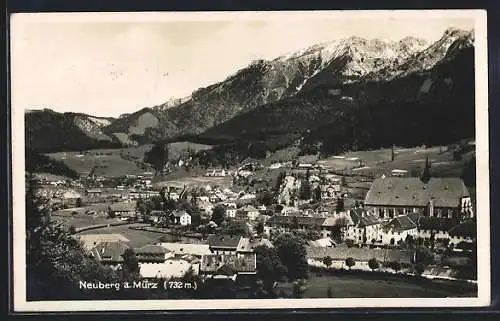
(249, 160)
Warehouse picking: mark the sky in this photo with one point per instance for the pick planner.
(110, 66)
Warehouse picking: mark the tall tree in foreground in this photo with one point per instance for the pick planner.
(292, 252)
(56, 261)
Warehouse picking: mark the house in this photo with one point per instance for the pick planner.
(152, 254)
(182, 249)
(282, 223)
(338, 223)
(155, 216)
(397, 230)
(230, 209)
(330, 191)
(94, 192)
(399, 173)
(124, 210)
(181, 218)
(172, 268)
(464, 232)
(110, 253)
(227, 244)
(248, 212)
(92, 240)
(440, 197)
(228, 266)
(365, 229)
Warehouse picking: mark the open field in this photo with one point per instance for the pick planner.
(84, 220)
(195, 181)
(378, 162)
(357, 286)
(106, 162)
(137, 238)
(120, 161)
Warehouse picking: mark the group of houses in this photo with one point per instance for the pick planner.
(227, 257)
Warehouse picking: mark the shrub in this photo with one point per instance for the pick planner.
(350, 262)
(373, 264)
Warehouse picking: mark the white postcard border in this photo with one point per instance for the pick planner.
(482, 171)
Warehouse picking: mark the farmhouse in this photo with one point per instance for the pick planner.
(94, 192)
(364, 229)
(248, 212)
(284, 223)
(92, 240)
(172, 268)
(152, 254)
(181, 218)
(397, 230)
(337, 223)
(109, 253)
(447, 197)
(228, 266)
(227, 244)
(230, 209)
(182, 249)
(125, 209)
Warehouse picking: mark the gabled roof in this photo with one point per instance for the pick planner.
(109, 251)
(151, 249)
(92, 240)
(186, 248)
(368, 220)
(412, 192)
(223, 241)
(224, 264)
(399, 224)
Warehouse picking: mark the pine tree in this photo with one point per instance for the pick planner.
(426, 175)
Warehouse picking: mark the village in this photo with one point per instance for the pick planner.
(211, 224)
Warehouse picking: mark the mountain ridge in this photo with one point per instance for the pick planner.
(332, 68)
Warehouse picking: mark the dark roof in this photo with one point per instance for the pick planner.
(284, 220)
(465, 229)
(368, 220)
(223, 241)
(400, 223)
(109, 251)
(412, 192)
(151, 249)
(356, 215)
(437, 223)
(415, 216)
(228, 263)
